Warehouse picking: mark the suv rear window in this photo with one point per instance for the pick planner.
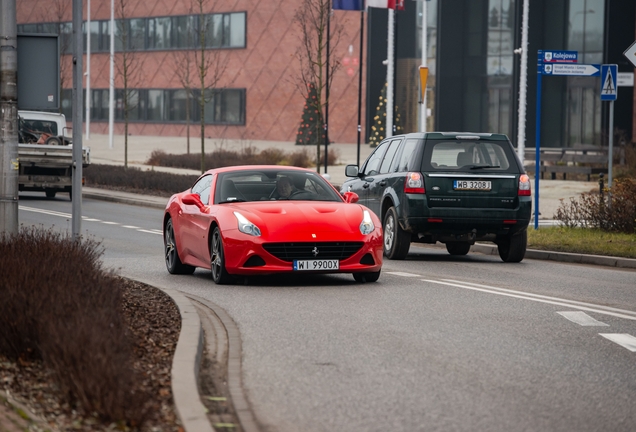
(469, 156)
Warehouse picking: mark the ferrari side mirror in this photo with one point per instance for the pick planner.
(351, 197)
(193, 199)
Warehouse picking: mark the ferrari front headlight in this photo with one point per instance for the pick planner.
(247, 227)
(366, 226)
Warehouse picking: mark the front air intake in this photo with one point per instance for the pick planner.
(312, 250)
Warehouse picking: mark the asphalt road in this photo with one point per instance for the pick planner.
(438, 343)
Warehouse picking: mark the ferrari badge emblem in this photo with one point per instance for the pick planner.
(315, 251)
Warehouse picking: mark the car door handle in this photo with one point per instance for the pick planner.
(366, 185)
(383, 183)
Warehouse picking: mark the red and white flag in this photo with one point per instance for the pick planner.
(386, 4)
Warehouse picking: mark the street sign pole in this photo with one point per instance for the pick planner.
(609, 93)
(537, 141)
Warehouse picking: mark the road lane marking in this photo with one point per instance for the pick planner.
(151, 231)
(623, 339)
(48, 212)
(583, 319)
(88, 219)
(403, 274)
(619, 313)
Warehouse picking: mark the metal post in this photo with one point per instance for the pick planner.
(389, 75)
(9, 164)
(523, 84)
(360, 83)
(76, 192)
(537, 148)
(610, 155)
(111, 91)
(88, 70)
(327, 93)
(423, 106)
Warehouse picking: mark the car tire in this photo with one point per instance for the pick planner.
(220, 275)
(396, 241)
(512, 248)
(457, 248)
(366, 277)
(50, 193)
(173, 262)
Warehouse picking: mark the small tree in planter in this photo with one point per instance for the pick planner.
(378, 129)
(311, 129)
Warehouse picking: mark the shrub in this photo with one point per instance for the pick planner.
(593, 210)
(59, 306)
(223, 157)
(134, 179)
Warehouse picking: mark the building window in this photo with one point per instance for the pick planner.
(224, 30)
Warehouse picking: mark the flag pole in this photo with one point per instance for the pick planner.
(360, 81)
(389, 74)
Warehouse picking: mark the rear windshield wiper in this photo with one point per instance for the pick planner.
(474, 167)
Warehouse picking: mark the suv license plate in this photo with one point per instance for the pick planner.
(471, 185)
(303, 265)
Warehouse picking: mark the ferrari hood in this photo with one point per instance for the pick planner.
(291, 219)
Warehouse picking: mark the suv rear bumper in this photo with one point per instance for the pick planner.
(457, 222)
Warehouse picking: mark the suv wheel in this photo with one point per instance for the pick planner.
(512, 248)
(457, 248)
(396, 241)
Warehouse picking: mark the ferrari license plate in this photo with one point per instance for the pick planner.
(471, 185)
(316, 265)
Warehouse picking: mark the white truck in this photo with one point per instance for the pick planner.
(45, 153)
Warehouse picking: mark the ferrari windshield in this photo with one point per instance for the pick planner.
(273, 185)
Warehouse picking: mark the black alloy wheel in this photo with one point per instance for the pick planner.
(220, 276)
(396, 241)
(173, 262)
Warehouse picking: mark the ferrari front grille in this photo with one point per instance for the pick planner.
(313, 250)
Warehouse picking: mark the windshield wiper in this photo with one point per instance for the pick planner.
(474, 167)
(232, 200)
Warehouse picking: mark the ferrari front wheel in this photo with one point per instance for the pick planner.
(217, 259)
(173, 262)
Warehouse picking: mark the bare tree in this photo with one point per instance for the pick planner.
(184, 64)
(210, 66)
(311, 19)
(129, 67)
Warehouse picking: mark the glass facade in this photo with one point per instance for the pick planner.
(225, 30)
(223, 106)
(586, 20)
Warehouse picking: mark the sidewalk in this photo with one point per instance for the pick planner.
(140, 148)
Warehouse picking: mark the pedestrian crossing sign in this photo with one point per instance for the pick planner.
(609, 74)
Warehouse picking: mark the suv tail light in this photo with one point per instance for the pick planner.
(524, 185)
(414, 183)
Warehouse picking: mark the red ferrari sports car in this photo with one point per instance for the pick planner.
(257, 220)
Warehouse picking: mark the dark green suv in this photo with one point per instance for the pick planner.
(454, 188)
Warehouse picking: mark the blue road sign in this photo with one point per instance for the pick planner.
(609, 74)
(558, 56)
(571, 69)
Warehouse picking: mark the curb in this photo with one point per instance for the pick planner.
(185, 366)
(234, 352)
(131, 199)
(601, 260)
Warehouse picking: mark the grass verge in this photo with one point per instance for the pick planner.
(583, 240)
